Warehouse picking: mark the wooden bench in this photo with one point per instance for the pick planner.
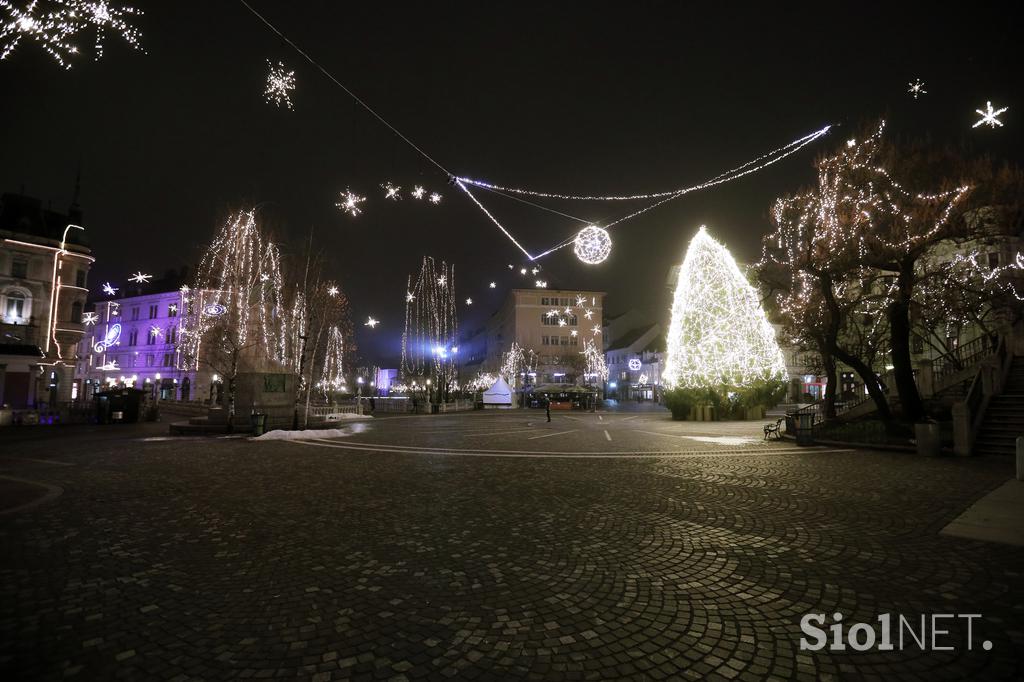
(774, 429)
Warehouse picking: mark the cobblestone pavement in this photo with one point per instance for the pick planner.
(490, 546)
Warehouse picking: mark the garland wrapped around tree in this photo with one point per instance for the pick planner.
(721, 347)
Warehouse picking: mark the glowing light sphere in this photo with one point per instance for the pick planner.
(592, 245)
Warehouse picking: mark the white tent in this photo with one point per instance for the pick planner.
(498, 395)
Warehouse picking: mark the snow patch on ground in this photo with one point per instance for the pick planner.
(725, 440)
(308, 434)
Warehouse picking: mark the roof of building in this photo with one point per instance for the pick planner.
(630, 337)
(26, 215)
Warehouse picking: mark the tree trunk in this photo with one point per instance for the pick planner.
(831, 382)
(899, 332)
(870, 382)
(231, 391)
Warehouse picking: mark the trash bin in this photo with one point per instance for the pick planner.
(805, 429)
(259, 423)
(929, 439)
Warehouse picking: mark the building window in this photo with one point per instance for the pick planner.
(574, 341)
(172, 334)
(150, 338)
(76, 312)
(993, 259)
(80, 278)
(154, 310)
(565, 340)
(16, 307)
(172, 310)
(135, 314)
(19, 268)
(168, 359)
(149, 361)
(133, 337)
(544, 340)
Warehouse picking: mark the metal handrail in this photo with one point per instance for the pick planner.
(964, 356)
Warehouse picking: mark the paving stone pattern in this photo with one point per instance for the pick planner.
(223, 558)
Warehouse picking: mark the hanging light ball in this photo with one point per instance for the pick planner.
(592, 245)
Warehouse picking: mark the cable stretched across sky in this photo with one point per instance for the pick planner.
(464, 183)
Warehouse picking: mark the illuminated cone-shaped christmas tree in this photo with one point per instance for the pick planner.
(719, 335)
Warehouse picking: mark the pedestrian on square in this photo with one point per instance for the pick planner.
(547, 405)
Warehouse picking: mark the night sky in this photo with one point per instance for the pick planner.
(650, 97)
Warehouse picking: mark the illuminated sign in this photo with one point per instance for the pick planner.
(214, 309)
(111, 339)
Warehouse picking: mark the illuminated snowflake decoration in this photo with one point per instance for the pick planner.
(551, 313)
(333, 291)
(184, 289)
(596, 330)
(349, 203)
(588, 314)
(49, 30)
(409, 298)
(541, 284)
(392, 192)
(592, 245)
(109, 367)
(494, 285)
(140, 278)
(469, 301)
(418, 192)
(573, 333)
(917, 88)
(435, 198)
(90, 318)
(562, 323)
(104, 16)
(990, 116)
(172, 308)
(264, 277)
(371, 323)
(109, 289)
(568, 310)
(580, 301)
(155, 331)
(442, 280)
(280, 84)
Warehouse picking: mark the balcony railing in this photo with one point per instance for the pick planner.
(19, 334)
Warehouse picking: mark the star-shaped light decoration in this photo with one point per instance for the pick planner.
(541, 284)
(511, 267)
(333, 291)
(90, 318)
(917, 88)
(140, 278)
(280, 84)
(348, 202)
(442, 280)
(409, 298)
(588, 314)
(102, 15)
(109, 367)
(551, 313)
(469, 301)
(573, 333)
(109, 289)
(990, 116)
(50, 30)
(391, 192)
(172, 308)
(596, 330)
(494, 285)
(568, 310)
(184, 289)
(155, 331)
(562, 323)
(418, 192)
(264, 277)
(580, 301)
(371, 323)
(534, 271)
(522, 271)
(435, 198)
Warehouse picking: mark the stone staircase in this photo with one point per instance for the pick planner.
(1004, 418)
(215, 421)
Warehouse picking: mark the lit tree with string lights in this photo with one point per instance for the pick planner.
(719, 339)
(430, 338)
(235, 317)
